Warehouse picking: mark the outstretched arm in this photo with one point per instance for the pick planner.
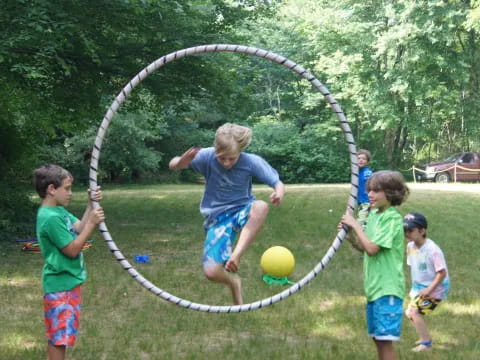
(183, 161)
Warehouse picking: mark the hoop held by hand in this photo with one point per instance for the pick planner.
(248, 50)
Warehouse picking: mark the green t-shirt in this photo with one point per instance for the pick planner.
(383, 272)
(55, 231)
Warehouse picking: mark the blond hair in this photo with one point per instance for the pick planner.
(232, 138)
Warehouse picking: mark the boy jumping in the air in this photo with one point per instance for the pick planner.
(228, 204)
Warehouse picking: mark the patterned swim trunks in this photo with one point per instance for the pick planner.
(424, 305)
(62, 316)
(221, 236)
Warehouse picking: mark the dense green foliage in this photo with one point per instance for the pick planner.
(62, 62)
(307, 155)
(406, 73)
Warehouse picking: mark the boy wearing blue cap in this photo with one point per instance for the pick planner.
(430, 280)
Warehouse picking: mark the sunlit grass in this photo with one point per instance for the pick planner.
(325, 320)
(456, 308)
(18, 281)
(14, 341)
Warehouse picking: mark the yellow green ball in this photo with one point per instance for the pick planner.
(277, 261)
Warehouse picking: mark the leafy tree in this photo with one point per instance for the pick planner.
(128, 152)
(315, 154)
(403, 71)
(60, 61)
(70, 55)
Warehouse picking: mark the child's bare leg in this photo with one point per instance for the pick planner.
(385, 350)
(256, 219)
(418, 323)
(56, 352)
(217, 273)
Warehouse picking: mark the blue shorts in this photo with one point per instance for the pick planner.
(221, 236)
(384, 318)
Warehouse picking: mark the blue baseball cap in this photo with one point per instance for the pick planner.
(414, 220)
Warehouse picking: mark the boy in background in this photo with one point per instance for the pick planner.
(61, 237)
(363, 208)
(430, 280)
(364, 174)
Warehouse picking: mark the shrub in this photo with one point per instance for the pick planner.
(315, 154)
(128, 150)
(17, 212)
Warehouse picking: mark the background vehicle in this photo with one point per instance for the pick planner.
(464, 166)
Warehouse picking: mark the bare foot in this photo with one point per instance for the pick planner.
(421, 348)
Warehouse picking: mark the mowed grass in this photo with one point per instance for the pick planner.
(325, 320)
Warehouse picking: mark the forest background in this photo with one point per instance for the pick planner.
(405, 72)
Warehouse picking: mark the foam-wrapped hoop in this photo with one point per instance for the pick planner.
(249, 51)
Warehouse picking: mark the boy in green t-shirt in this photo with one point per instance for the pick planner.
(61, 237)
(384, 247)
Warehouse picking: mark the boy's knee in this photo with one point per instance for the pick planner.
(210, 272)
(259, 209)
(411, 312)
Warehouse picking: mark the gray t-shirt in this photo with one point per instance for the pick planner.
(230, 189)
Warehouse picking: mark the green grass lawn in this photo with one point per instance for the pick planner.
(325, 320)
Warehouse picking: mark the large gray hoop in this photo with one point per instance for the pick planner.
(249, 51)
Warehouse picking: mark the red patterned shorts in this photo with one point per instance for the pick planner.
(62, 316)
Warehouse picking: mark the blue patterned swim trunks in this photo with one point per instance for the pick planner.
(221, 236)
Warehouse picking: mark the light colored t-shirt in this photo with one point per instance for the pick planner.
(230, 189)
(424, 264)
(55, 231)
(383, 272)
